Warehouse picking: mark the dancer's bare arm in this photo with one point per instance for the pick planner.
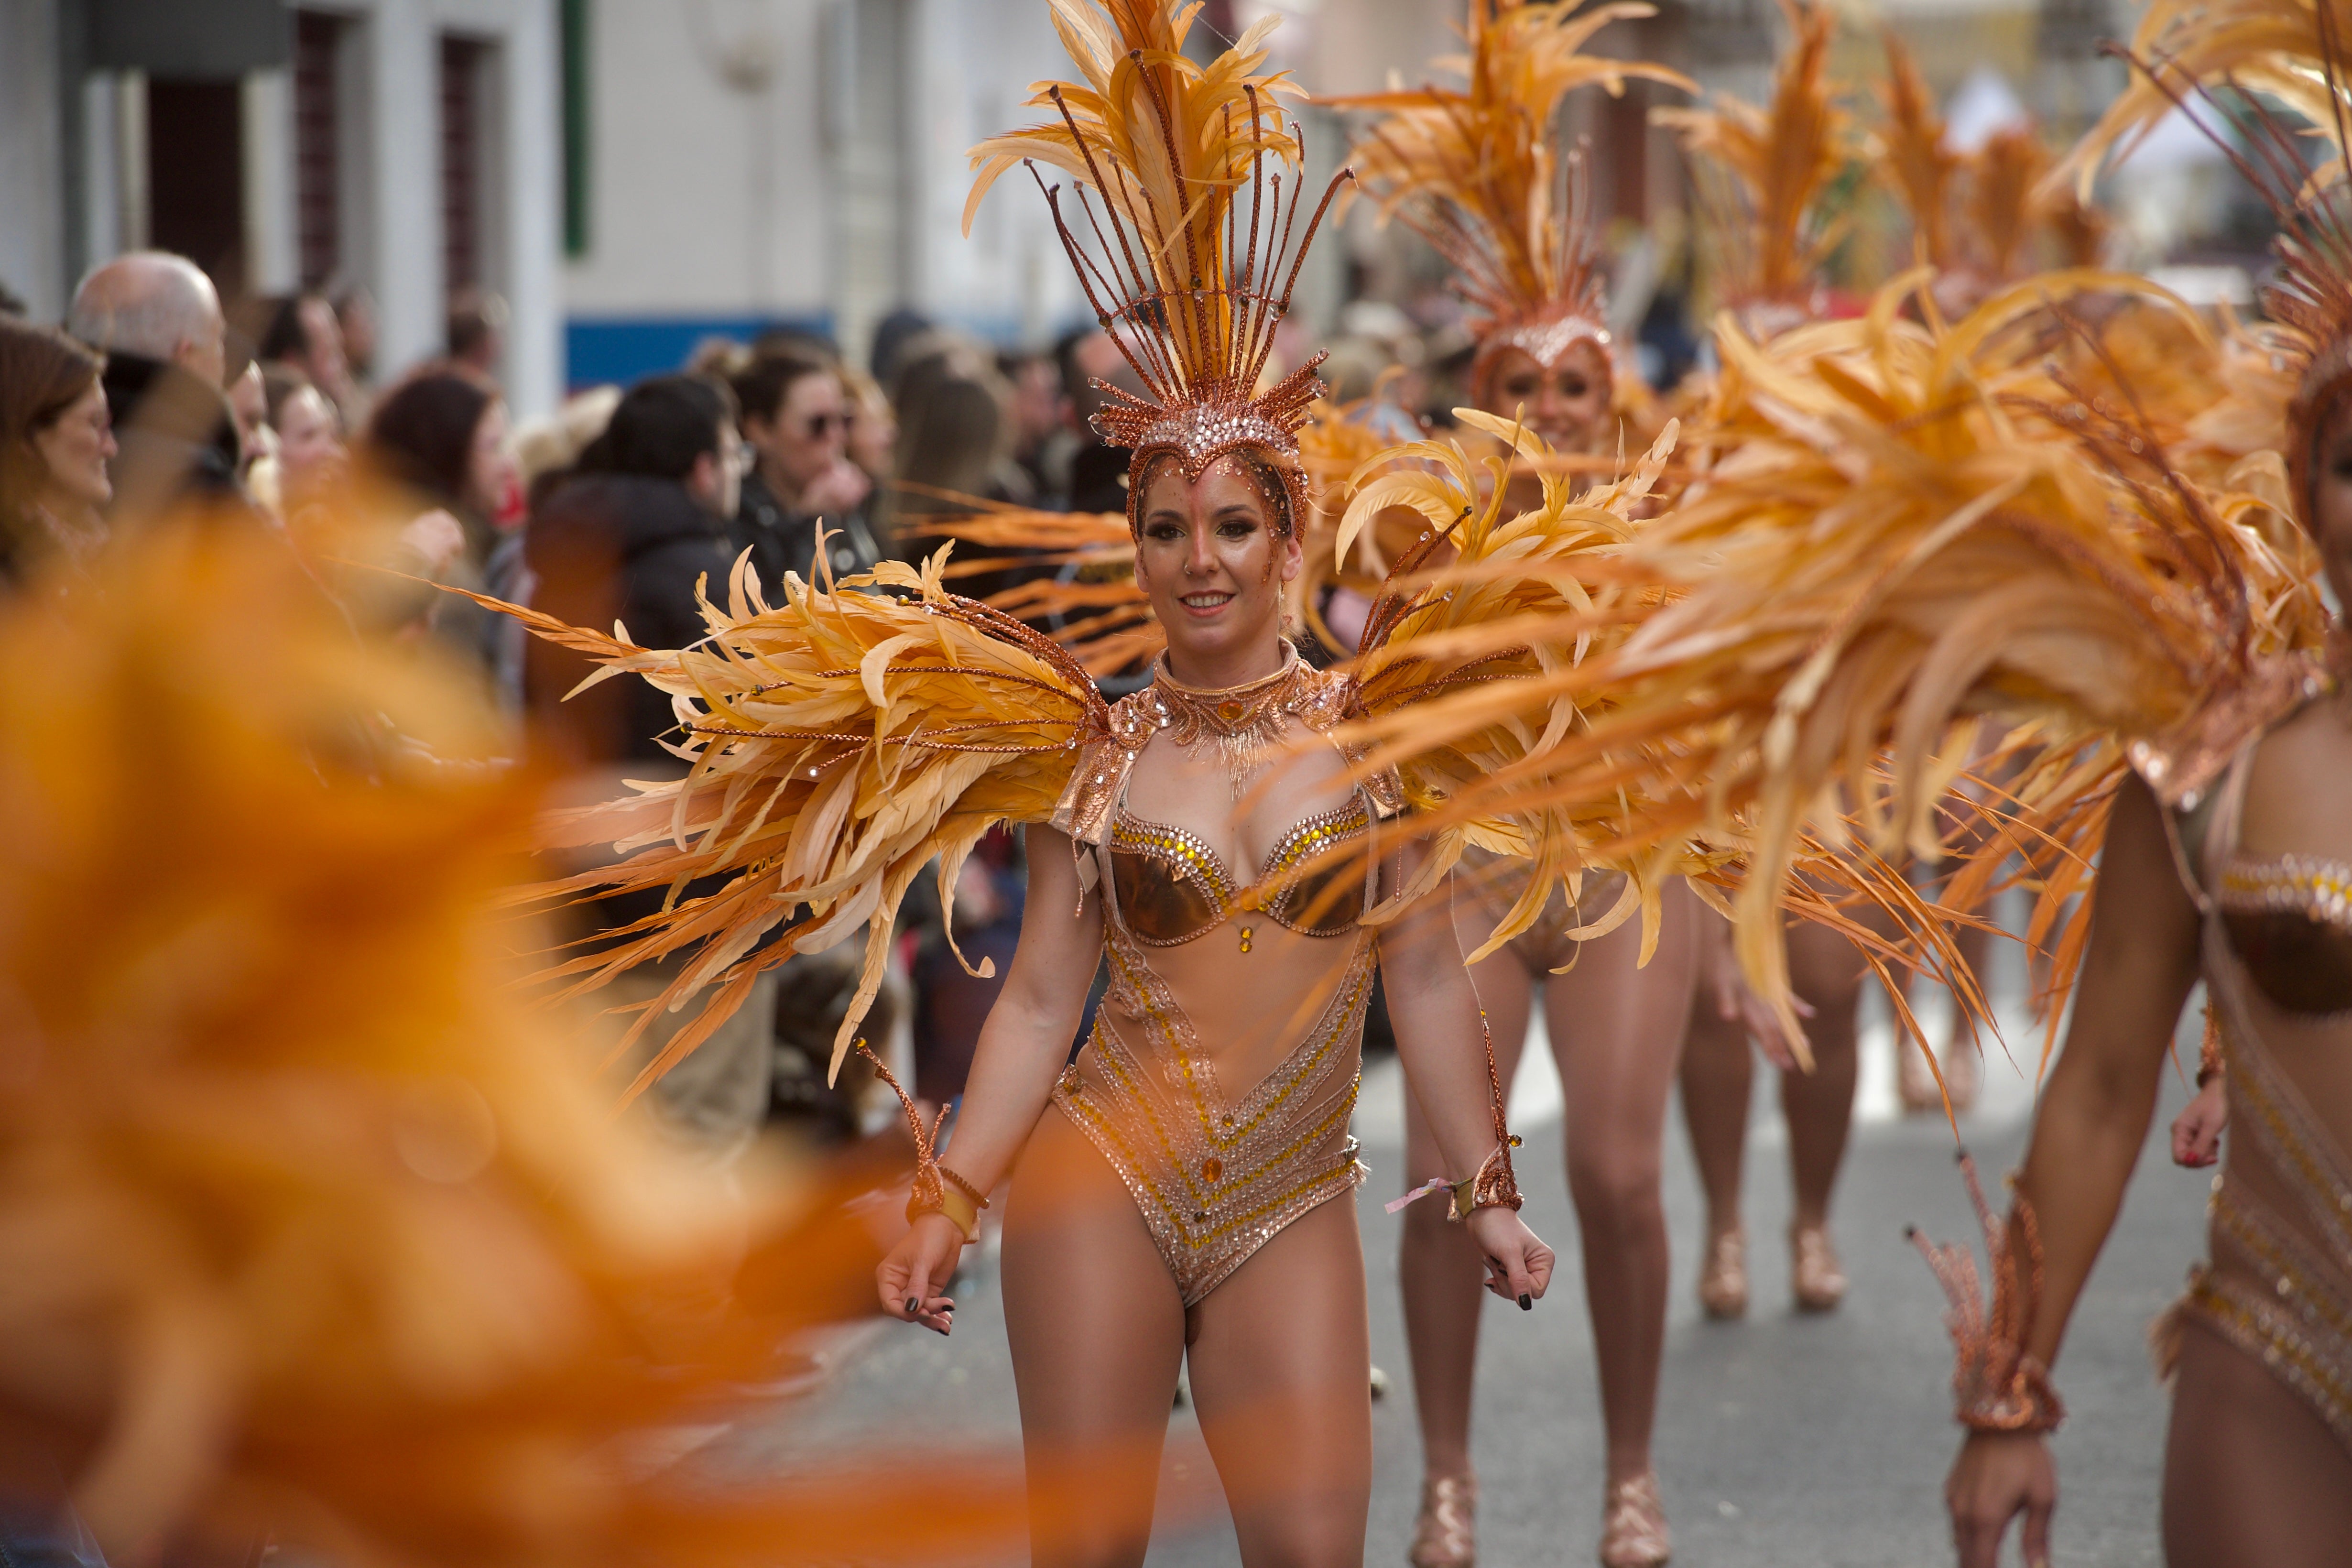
(1435, 1010)
(2137, 973)
(1021, 1048)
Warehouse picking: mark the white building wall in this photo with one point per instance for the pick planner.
(393, 171)
(975, 62)
(32, 205)
(708, 188)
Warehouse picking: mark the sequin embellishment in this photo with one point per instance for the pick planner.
(1216, 1180)
(1175, 886)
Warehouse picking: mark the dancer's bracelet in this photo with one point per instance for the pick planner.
(1496, 1185)
(945, 1193)
(2213, 1061)
(2024, 1402)
(1997, 1385)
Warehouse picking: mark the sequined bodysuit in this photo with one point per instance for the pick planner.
(2280, 1285)
(1216, 1175)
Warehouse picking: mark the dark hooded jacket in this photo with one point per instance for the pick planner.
(606, 547)
(783, 541)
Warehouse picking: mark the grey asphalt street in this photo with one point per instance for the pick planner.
(1781, 1439)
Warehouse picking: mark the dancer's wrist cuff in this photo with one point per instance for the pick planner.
(945, 1193)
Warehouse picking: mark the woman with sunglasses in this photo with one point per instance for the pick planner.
(796, 421)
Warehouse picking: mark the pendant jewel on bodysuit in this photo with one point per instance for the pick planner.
(1248, 931)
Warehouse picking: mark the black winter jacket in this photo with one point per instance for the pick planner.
(606, 547)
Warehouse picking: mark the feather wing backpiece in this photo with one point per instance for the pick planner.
(835, 744)
(1461, 684)
(1919, 550)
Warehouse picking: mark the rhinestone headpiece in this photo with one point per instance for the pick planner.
(1189, 279)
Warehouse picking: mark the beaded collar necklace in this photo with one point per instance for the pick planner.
(1244, 722)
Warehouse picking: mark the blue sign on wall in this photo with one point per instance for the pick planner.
(598, 349)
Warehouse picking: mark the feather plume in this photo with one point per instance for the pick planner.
(837, 744)
(1920, 546)
(1773, 165)
(1190, 290)
(313, 1230)
(2291, 52)
(1475, 170)
(1461, 686)
(1089, 604)
(1917, 164)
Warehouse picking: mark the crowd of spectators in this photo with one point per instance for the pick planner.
(627, 504)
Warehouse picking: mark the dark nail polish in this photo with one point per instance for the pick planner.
(1526, 1305)
(913, 1306)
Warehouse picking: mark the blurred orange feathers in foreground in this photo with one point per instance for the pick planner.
(307, 1227)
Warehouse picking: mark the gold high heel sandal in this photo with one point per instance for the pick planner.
(1633, 1532)
(1446, 1533)
(1723, 1280)
(1815, 1275)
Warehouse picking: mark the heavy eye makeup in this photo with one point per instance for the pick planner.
(1233, 526)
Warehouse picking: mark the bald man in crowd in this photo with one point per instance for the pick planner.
(158, 319)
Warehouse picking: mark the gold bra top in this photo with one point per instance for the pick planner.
(1171, 886)
(2290, 922)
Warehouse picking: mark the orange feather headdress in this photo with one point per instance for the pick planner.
(1475, 172)
(1189, 287)
(1776, 164)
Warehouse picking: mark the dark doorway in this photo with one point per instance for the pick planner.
(317, 150)
(461, 161)
(196, 175)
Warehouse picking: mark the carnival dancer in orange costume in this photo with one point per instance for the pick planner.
(1477, 171)
(1169, 1195)
(1767, 170)
(2229, 857)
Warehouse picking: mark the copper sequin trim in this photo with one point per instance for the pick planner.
(1280, 890)
(2287, 1302)
(2303, 884)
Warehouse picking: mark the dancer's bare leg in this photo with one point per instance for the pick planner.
(1960, 1057)
(2250, 1474)
(1826, 971)
(1437, 1266)
(1097, 1332)
(1280, 1376)
(1616, 1031)
(1719, 1084)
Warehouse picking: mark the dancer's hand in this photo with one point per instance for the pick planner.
(1736, 1001)
(920, 1265)
(2197, 1132)
(1519, 1265)
(1998, 1475)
